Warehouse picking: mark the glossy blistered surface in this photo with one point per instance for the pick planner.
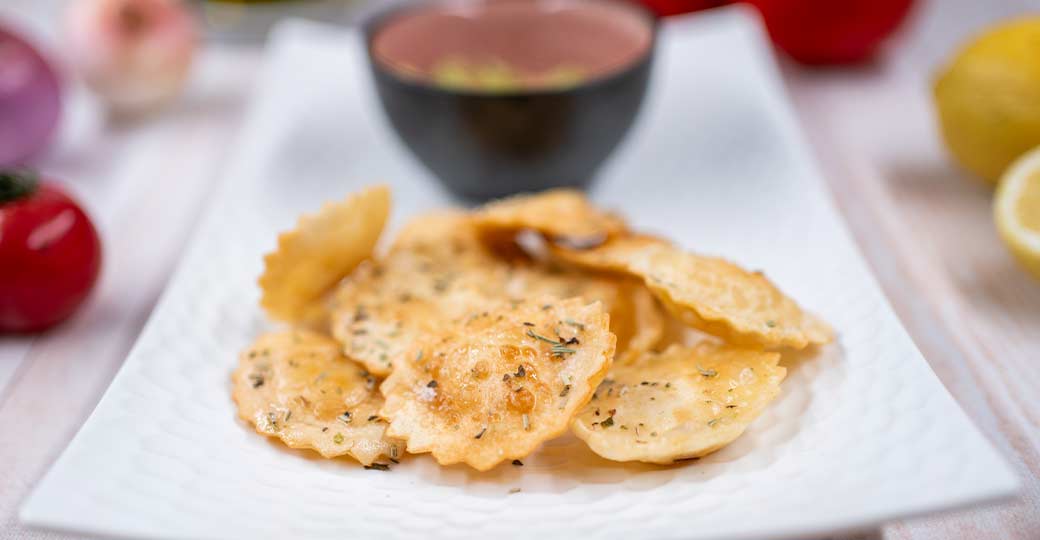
(500, 381)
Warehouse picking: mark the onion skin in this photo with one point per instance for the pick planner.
(134, 54)
(30, 100)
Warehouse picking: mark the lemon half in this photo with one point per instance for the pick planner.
(1017, 210)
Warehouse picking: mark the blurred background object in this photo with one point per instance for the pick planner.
(50, 253)
(30, 99)
(251, 20)
(475, 90)
(829, 31)
(665, 8)
(134, 54)
(814, 32)
(1016, 210)
(988, 97)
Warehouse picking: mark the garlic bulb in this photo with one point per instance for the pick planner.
(135, 54)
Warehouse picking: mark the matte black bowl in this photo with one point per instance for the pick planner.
(483, 145)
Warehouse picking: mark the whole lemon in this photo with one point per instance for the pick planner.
(988, 98)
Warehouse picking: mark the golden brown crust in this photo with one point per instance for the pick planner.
(296, 386)
(500, 381)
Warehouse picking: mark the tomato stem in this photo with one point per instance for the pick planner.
(17, 183)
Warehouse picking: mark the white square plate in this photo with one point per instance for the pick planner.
(863, 431)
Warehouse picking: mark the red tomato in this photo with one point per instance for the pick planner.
(664, 8)
(831, 31)
(50, 254)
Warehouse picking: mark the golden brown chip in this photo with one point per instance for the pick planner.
(560, 214)
(378, 316)
(438, 270)
(648, 322)
(442, 229)
(616, 256)
(710, 294)
(296, 386)
(435, 271)
(682, 403)
(320, 251)
(498, 383)
(539, 279)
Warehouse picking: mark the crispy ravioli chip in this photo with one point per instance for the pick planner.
(707, 293)
(682, 403)
(451, 230)
(296, 386)
(499, 381)
(436, 271)
(646, 325)
(319, 252)
(560, 214)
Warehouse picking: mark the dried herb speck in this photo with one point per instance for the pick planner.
(574, 323)
(540, 337)
(707, 372)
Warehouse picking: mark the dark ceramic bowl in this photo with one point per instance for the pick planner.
(484, 144)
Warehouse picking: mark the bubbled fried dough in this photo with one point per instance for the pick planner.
(295, 385)
(499, 381)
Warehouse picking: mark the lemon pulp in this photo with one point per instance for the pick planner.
(1027, 207)
(1017, 210)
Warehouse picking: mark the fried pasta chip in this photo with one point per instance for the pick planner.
(560, 214)
(538, 279)
(647, 325)
(682, 403)
(435, 271)
(707, 293)
(386, 308)
(438, 270)
(296, 386)
(319, 252)
(616, 295)
(499, 382)
(437, 229)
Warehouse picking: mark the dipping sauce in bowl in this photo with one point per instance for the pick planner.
(513, 45)
(502, 96)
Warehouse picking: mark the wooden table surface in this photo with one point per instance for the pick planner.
(924, 226)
